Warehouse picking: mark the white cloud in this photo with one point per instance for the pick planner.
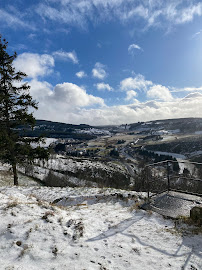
(192, 96)
(14, 21)
(135, 83)
(99, 71)
(137, 112)
(32, 36)
(65, 102)
(192, 89)
(140, 83)
(40, 90)
(159, 92)
(130, 95)
(133, 47)
(71, 95)
(158, 13)
(151, 13)
(66, 56)
(186, 89)
(34, 65)
(188, 13)
(197, 34)
(81, 74)
(70, 103)
(104, 86)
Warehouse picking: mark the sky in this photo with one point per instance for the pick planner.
(103, 62)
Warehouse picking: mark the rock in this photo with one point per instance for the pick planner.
(19, 243)
(196, 214)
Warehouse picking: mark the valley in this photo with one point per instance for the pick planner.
(115, 156)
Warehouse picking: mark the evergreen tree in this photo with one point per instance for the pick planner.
(15, 103)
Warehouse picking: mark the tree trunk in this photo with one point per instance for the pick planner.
(15, 175)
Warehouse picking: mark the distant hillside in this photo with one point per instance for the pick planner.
(56, 130)
(86, 132)
(185, 125)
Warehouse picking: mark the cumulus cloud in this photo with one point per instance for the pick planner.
(130, 95)
(66, 56)
(40, 90)
(159, 92)
(152, 90)
(192, 96)
(72, 104)
(34, 65)
(133, 47)
(137, 112)
(64, 102)
(81, 74)
(71, 95)
(104, 86)
(135, 83)
(99, 71)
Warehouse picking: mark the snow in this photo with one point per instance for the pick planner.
(160, 132)
(180, 158)
(94, 131)
(91, 229)
(46, 142)
(174, 131)
(4, 167)
(69, 164)
(198, 132)
(167, 138)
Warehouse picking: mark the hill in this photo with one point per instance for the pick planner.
(184, 125)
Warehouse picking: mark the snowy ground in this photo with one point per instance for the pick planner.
(6, 178)
(89, 229)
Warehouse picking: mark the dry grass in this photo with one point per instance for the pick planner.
(6, 178)
(136, 206)
(11, 204)
(186, 224)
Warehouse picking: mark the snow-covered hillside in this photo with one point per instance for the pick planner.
(80, 172)
(89, 229)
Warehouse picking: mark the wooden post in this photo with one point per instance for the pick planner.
(148, 185)
(15, 175)
(168, 175)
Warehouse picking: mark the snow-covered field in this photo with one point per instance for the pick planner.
(89, 229)
(93, 131)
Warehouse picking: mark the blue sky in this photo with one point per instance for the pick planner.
(108, 61)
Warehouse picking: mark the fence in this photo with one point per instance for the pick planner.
(181, 176)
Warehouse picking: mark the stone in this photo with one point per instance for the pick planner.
(196, 214)
(19, 243)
